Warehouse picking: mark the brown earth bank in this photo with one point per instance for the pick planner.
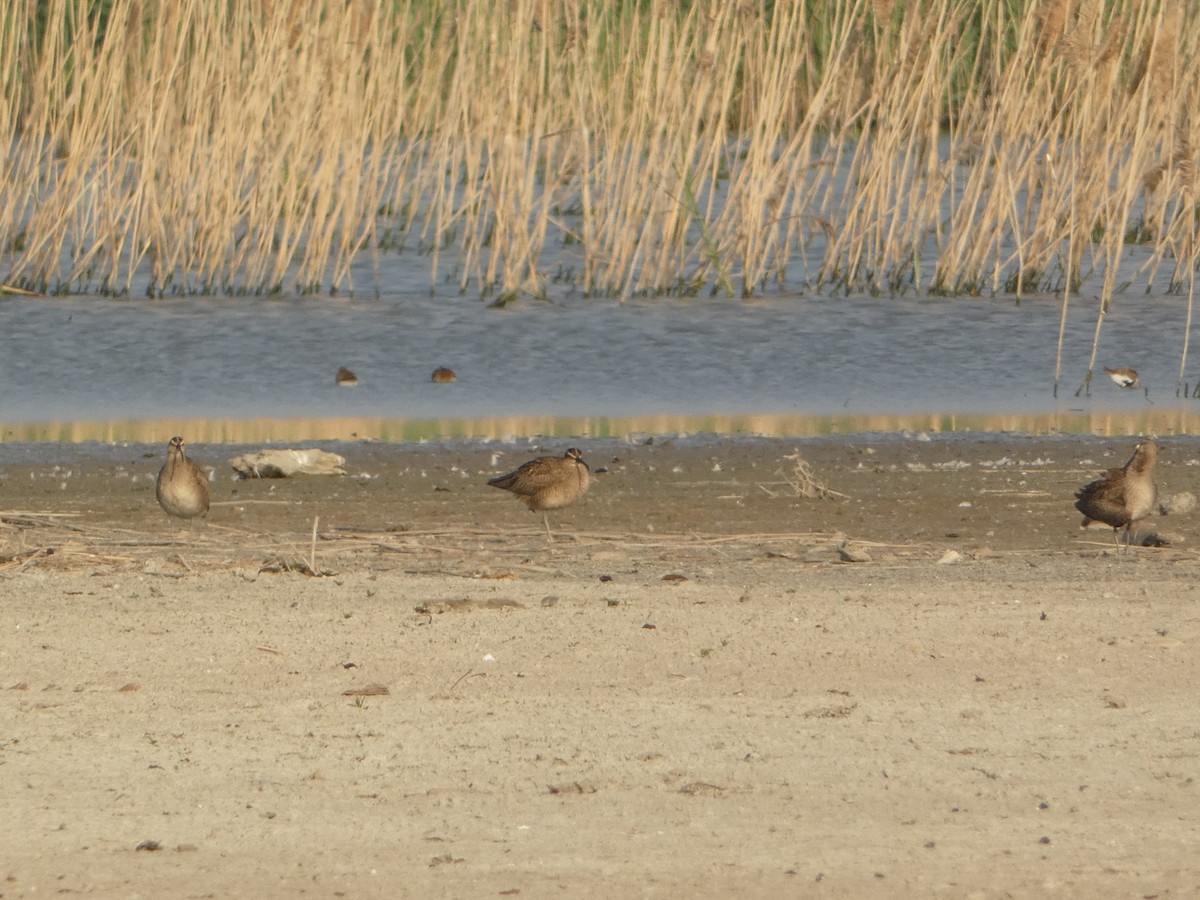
(931, 683)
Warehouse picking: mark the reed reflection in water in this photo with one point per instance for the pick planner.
(1164, 421)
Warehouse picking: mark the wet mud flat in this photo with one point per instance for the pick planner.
(929, 683)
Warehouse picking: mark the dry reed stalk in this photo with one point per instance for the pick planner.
(1012, 127)
(1152, 124)
(805, 482)
(756, 194)
(247, 147)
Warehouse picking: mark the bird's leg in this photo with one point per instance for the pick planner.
(546, 519)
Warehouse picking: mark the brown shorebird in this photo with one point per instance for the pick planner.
(182, 487)
(548, 482)
(1122, 496)
(442, 375)
(1126, 378)
(345, 377)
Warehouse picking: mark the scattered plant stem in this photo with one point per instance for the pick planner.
(805, 482)
(312, 551)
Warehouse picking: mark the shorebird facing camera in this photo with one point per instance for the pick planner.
(182, 487)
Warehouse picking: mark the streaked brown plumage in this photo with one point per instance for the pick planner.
(182, 486)
(1126, 378)
(1122, 496)
(548, 482)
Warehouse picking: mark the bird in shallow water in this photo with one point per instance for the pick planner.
(1125, 378)
(182, 486)
(548, 482)
(1122, 496)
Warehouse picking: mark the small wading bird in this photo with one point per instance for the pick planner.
(1122, 496)
(182, 487)
(1126, 378)
(346, 378)
(442, 375)
(548, 482)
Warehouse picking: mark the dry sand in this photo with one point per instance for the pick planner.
(691, 693)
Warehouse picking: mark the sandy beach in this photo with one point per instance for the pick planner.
(931, 683)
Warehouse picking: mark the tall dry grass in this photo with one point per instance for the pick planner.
(293, 145)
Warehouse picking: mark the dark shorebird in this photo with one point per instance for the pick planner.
(1122, 496)
(442, 375)
(1126, 378)
(345, 377)
(182, 486)
(548, 482)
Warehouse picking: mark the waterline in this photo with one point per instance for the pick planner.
(1158, 421)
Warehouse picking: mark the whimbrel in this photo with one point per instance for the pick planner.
(1122, 496)
(1126, 378)
(182, 487)
(548, 482)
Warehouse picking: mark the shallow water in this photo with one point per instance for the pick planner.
(252, 368)
(98, 360)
